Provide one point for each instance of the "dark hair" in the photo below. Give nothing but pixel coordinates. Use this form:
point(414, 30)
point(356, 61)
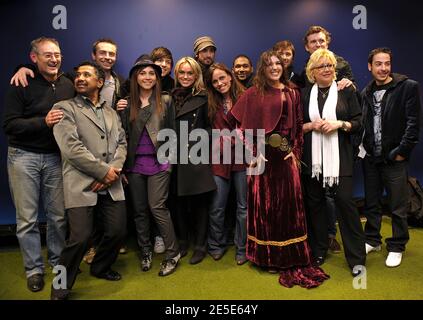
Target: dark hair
point(242, 56)
point(134, 93)
point(161, 52)
point(260, 80)
point(317, 29)
point(283, 45)
point(107, 40)
point(98, 70)
point(379, 50)
point(215, 98)
point(36, 42)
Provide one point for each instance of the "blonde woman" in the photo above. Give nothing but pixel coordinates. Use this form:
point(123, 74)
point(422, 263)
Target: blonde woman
point(193, 182)
point(330, 117)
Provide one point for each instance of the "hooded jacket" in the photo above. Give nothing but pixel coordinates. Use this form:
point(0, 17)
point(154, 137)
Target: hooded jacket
point(400, 117)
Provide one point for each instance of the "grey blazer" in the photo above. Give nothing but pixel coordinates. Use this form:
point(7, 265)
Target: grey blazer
point(84, 146)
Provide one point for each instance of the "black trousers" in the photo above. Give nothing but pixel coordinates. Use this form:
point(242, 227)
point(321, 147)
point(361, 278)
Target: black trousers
point(81, 221)
point(347, 214)
point(191, 220)
point(393, 178)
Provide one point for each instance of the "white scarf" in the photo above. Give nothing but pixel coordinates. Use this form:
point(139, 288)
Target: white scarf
point(324, 147)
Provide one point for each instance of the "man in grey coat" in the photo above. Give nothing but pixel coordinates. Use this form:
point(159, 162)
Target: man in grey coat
point(93, 147)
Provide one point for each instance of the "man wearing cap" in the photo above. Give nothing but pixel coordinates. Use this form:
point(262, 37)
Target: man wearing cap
point(205, 52)
point(93, 148)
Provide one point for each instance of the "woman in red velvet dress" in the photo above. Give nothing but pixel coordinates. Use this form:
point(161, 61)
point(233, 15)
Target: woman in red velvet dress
point(276, 226)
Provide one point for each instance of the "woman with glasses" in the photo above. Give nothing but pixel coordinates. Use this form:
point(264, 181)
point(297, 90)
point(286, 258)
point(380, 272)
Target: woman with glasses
point(276, 226)
point(330, 118)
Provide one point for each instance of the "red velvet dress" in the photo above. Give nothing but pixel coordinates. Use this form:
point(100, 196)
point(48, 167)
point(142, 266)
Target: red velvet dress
point(277, 232)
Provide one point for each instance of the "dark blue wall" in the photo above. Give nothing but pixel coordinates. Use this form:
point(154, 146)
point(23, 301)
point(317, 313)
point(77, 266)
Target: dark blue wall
point(237, 26)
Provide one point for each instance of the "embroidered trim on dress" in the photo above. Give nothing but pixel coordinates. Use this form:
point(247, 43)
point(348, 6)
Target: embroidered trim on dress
point(278, 243)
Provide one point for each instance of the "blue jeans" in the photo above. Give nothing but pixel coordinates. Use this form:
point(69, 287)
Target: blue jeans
point(31, 176)
point(217, 234)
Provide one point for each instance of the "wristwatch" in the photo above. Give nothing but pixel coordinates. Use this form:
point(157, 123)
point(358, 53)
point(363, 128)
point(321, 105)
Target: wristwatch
point(344, 126)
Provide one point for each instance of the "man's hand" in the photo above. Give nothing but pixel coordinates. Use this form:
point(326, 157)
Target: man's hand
point(121, 104)
point(344, 83)
point(399, 158)
point(98, 186)
point(20, 77)
point(53, 117)
point(112, 175)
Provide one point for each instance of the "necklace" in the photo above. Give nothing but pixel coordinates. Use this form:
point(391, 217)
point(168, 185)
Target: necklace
point(324, 93)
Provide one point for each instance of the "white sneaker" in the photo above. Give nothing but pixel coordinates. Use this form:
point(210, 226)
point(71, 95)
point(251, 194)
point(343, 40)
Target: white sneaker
point(159, 246)
point(394, 259)
point(370, 248)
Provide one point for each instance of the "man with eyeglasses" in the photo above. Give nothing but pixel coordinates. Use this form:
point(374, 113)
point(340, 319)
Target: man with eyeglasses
point(318, 37)
point(33, 160)
point(104, 53)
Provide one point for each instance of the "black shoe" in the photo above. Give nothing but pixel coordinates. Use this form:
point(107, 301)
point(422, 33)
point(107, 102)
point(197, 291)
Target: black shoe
point(59, 294)
point(357, 270)
point(197, 257)
point(183, 251)
point(109, 275)
point(318, 261)
point(35, 282)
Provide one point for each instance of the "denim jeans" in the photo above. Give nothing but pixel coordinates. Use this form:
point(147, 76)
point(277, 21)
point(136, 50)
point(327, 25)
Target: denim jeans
point(31, 176)
point(217, 234)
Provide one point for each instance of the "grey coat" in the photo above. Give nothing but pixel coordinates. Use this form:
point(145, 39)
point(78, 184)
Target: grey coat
point(84, 146)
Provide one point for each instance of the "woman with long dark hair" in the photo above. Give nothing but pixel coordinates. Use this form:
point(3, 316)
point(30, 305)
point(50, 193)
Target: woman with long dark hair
point(276, 226)
point(224, 91)
point(148, 180)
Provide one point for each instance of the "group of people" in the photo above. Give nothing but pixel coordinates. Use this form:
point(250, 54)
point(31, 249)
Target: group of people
point(89, 144)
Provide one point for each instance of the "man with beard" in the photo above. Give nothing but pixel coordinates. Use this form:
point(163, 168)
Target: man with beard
point(34, 165)
point(204, 53)
point(242, 68)
point(93, 147)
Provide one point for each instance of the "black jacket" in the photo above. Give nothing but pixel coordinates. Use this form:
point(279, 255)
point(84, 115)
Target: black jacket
point(400, 117)
point(347, 109)
point(119, 81)
point(25, 110)
point(192, 179)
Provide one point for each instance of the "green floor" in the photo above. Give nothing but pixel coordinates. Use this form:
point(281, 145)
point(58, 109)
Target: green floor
point(225, 280)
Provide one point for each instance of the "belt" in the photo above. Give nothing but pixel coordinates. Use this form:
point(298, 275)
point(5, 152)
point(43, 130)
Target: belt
point(276, 140)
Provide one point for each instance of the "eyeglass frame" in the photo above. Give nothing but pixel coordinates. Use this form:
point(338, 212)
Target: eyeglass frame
point(324, 66)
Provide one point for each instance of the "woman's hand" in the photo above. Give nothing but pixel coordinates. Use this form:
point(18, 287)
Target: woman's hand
point(331, 125)
point(315, 125)
point(294, 159)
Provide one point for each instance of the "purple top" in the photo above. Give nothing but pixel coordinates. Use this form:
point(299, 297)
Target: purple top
point(146, 158)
